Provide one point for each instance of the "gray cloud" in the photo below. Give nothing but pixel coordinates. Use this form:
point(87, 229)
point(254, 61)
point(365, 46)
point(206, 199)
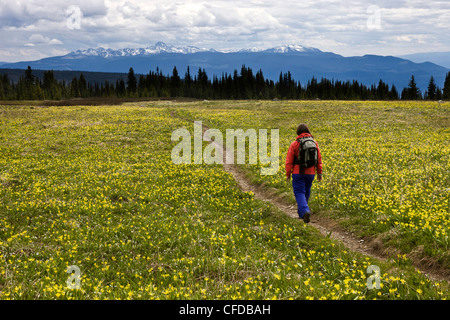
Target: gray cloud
point(330, 25)
point(23, 13)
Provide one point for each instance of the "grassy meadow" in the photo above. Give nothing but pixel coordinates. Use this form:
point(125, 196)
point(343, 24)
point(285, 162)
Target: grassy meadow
point(95, 187)
point(386, 164)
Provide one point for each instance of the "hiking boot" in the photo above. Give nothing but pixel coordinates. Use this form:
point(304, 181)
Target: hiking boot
point(306, 217)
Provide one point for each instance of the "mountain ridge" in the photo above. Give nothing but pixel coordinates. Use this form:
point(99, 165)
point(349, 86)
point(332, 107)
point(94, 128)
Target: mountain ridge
point(439, 58)
point(302, 62)
point(161, 47)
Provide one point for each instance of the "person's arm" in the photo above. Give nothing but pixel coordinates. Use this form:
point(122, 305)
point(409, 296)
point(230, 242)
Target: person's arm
point(319, 163)
point(289, 161)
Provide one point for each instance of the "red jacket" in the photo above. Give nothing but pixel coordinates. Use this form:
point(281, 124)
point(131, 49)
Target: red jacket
point(293, 151)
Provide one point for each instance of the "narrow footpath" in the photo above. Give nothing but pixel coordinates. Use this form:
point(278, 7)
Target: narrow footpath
point(327, 227)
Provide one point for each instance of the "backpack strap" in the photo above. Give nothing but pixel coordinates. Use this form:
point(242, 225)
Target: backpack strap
point(298, 150)
point(301, 170)
point(300, 142)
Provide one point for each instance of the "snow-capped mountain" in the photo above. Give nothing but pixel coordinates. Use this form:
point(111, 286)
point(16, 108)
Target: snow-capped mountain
point(161, 47)
point(303, 63)
point(292, 48)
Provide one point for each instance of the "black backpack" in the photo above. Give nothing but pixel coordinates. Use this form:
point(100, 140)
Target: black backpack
point(308, 155)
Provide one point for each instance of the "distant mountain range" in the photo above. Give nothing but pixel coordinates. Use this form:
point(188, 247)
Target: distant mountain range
point(303, 63)
point(161, 47)
point(440, 58)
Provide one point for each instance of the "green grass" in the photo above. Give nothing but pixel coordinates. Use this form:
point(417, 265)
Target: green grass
point(386, 164)
point(95, 187)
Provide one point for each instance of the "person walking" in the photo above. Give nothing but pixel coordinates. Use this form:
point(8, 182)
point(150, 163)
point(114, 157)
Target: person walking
point(302, 177)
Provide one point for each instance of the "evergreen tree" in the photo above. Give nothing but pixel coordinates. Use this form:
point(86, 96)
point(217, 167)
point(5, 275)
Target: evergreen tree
point(2, 90)
point(50, 86)
point(175, 83)
point(131, 81)
point(83, 87)
point(7, 87)
point(243, 85)
point(431, 92)
point(120, 88)
point(393, 93)
point(187, 83)
point(382, 91)
point(202, 84)
point(260, 84)
point(106, 92)
point(38, 93)
point(74, 89)
point(228, 87)
point(438, 94)
point(412, 92)
point(141, 88)
point(446, 89)
point(405, 94)
point(28, 85)
point(29, 78)
point(312, 89)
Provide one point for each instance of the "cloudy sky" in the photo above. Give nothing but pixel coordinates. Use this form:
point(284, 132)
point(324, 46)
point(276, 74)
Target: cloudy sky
point(34, 29)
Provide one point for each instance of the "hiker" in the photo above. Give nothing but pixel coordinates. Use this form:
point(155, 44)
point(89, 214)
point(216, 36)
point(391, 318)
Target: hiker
point(300, 167)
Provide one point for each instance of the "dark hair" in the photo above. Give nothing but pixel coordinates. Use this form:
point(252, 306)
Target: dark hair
point(302, 128)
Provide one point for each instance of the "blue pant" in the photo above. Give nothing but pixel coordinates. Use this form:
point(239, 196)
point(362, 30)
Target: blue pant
point(301, 183)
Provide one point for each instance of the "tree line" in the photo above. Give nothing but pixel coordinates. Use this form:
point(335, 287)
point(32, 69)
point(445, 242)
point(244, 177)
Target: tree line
point(243, 85)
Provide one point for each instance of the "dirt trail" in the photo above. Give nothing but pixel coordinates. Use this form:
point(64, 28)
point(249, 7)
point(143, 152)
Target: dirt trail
point(327, 227)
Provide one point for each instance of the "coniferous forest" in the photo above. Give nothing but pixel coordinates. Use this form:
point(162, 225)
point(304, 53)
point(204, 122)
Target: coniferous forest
point(240, 85)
